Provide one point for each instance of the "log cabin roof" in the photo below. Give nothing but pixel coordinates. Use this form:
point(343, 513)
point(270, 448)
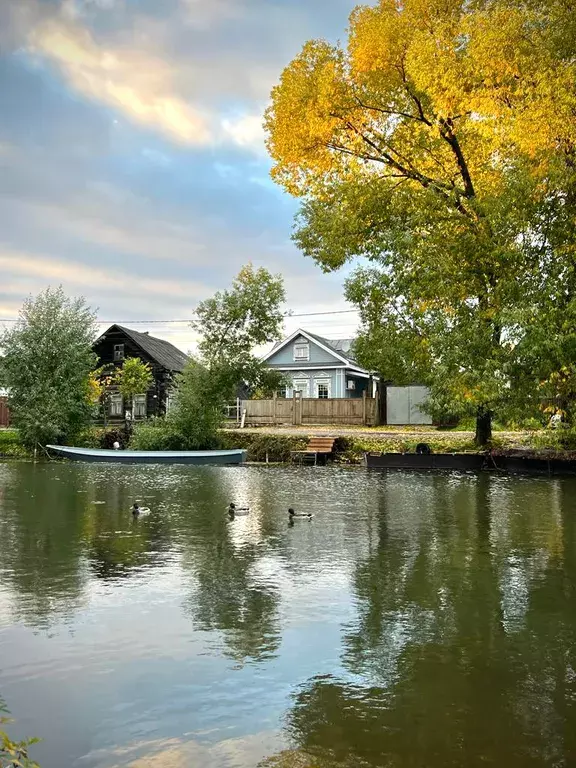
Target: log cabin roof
point(165, 354)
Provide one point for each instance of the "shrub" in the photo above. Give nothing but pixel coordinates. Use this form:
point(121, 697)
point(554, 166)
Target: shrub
point(11, 445)
point(153, 435)
point(13, 753)
point(99, 437)
point(273, 448)
point(559, 439)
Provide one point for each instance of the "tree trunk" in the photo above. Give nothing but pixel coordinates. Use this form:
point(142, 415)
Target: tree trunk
point(483, 427)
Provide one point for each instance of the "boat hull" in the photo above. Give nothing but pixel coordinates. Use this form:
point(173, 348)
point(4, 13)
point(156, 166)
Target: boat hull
point(472, 462)
point(94, 455)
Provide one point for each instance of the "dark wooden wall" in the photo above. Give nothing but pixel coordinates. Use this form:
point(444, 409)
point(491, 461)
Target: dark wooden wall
point(156, 396)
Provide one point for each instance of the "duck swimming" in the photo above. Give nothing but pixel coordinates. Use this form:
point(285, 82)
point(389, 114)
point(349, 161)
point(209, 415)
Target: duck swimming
point(293, 514)
point(137, 510)
point(234, 510)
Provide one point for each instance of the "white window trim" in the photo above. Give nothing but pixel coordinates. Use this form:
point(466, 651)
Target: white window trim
point(116, 399)
point(304, 345)
point(142, 399)
point(322, 382)
point(297, 386)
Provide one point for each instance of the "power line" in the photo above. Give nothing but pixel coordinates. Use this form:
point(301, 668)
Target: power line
point(166, 322)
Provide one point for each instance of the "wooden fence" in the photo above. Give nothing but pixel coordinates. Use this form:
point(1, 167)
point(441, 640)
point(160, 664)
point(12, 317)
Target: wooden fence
point(4, 413)
point(296, 410)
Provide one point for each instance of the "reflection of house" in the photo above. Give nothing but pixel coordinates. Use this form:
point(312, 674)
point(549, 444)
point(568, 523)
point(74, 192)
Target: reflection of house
point(320, 368)
point(165, 360)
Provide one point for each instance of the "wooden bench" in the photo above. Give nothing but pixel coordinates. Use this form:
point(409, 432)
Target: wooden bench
point(317, 446)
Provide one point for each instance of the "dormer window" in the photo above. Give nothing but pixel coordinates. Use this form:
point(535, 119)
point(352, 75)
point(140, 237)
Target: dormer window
point(118, 352)
point(301, 351)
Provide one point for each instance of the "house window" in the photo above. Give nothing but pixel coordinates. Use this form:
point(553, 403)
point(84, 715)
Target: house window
point(118, 352)
point(283, 392)
point(323, 390)
point(302, 386)
point(116, 405)
point(301, 352)
point(140, 406)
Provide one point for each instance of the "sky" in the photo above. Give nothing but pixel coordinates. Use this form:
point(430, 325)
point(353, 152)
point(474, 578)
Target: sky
point(133, 169)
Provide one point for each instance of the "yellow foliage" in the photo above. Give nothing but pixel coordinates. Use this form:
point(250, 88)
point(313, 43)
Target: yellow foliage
point(440, 93)
point(95, 389)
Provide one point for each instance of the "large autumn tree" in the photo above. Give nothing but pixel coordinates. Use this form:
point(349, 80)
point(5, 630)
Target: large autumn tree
point(426, 146)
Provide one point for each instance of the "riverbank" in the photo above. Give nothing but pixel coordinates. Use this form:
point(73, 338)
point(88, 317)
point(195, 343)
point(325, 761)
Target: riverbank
point(275, 444)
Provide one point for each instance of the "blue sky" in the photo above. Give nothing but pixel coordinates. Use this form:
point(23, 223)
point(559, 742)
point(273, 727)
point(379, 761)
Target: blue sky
point(132, 162)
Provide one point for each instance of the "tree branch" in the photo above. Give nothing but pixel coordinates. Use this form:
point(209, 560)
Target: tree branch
point(447, 133)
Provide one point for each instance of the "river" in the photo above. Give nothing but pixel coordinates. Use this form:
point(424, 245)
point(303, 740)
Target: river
point(416, 621)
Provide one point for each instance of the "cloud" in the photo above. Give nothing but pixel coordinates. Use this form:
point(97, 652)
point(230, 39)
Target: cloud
point(204, 15)
point(43, 269)
point(246, 131)
point(132, 163)
point(132, 81)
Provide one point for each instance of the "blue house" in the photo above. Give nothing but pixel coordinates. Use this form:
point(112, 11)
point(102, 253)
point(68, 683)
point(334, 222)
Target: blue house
point(320, 368)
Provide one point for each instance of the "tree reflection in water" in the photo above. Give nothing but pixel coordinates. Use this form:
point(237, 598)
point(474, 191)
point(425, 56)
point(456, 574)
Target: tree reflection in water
point(439, 673)
point(229, 593)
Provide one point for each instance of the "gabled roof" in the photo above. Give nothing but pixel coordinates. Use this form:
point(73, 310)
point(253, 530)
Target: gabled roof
point(164, 353)
point(340, 348)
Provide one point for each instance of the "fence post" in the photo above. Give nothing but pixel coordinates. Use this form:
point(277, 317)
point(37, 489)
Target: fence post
point(237, 410)
point(364, 410)
point(274, 417)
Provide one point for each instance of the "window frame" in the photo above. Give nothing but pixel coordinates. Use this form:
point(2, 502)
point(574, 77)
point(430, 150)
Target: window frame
point(139, 400)
point(116, 404)
point(323, 383)
point(304, 346)
point(119, 353)
point(296, 387)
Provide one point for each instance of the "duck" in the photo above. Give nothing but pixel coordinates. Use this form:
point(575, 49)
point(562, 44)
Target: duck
point(292, 514)
point(234, 510)
point(137, 510)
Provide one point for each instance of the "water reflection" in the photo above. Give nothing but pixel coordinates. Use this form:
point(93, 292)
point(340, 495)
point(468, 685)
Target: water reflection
point(418, 620)
point(460, 662)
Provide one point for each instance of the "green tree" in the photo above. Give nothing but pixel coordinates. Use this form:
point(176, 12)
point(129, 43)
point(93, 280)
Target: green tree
point(197, 412)
point(230, 324)
point(233, 322)
point(46, 367)
point(406, 149)
point(133, 378)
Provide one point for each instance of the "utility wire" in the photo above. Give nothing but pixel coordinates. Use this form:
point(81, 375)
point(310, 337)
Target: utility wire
point(166, 322)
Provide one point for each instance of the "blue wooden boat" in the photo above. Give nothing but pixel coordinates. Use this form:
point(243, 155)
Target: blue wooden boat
point(236, 456)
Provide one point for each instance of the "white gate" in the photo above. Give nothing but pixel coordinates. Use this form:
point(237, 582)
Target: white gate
point(403, 405)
